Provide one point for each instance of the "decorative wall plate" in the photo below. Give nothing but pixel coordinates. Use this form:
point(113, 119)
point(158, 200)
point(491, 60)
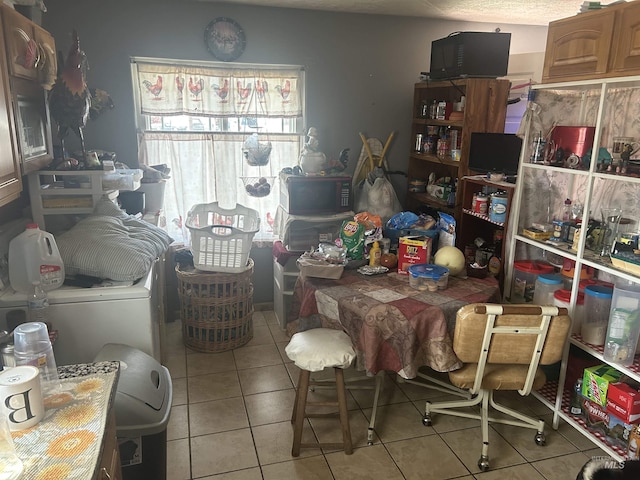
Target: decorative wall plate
point(225, 39)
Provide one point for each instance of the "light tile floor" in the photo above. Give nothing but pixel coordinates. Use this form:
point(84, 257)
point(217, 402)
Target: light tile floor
point(230, 420)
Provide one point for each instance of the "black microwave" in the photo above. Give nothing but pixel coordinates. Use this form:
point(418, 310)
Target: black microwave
point(315, 195)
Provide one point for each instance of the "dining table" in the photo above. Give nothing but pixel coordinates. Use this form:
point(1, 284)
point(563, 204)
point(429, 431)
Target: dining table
point(392, 325)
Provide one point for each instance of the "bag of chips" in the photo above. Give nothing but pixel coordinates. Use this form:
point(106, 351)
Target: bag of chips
point(352, 236)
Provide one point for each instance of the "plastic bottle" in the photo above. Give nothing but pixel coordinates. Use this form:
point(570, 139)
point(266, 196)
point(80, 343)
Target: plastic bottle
point(624, 323)
point(566, 211)
point(38, 304)
point(374, 255)
point(34, 256)
point(576, 401)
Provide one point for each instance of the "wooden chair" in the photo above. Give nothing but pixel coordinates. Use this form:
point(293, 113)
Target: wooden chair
point(502, 347)
point(313, 351)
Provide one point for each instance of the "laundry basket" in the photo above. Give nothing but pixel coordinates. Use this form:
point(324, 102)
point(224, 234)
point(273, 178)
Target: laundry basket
point(216, 309)
point(221, 238)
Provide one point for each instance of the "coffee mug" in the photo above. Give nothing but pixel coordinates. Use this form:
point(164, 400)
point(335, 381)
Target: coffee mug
point(619, 145)
point(21, 397)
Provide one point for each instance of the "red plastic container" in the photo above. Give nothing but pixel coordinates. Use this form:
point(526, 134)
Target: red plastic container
point(525, 274)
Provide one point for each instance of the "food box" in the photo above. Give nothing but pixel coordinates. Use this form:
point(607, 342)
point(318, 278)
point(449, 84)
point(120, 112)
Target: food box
point(536, 234)
point(413, 251)
point(596, 381)
point(598, 420)
point(624, 401)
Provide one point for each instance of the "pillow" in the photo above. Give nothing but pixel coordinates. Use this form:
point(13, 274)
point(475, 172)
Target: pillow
point(318, 348)
point(111, 244)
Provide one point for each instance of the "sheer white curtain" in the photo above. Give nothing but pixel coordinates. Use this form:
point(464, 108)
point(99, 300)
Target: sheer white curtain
point(234, 102)
point(210, 167)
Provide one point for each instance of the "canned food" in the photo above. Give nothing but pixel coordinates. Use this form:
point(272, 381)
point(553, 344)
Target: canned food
point(482, 204)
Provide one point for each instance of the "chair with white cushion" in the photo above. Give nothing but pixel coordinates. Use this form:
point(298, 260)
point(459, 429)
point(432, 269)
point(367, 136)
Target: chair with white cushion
point(313, 351)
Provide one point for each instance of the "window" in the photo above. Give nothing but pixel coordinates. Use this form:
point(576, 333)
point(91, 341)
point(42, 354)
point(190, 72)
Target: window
point(223, 130)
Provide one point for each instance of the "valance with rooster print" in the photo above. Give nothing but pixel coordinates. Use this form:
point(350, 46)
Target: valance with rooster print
point(176, 89)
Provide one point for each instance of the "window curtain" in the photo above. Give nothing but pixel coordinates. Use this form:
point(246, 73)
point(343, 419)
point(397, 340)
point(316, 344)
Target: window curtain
point(209, 168)
point(166, 89)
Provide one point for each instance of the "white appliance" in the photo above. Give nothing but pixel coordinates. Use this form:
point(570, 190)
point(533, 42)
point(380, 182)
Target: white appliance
point(88, 318)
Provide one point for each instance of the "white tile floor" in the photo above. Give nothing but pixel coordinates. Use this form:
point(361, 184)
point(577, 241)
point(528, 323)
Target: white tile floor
point(231, 411)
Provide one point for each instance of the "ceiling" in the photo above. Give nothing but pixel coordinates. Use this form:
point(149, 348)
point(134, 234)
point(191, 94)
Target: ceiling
point(524, 12)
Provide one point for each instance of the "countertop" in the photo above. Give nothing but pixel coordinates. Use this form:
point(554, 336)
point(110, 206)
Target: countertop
point(68, 442)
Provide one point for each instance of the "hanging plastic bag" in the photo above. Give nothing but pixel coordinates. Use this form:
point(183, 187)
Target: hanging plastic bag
point(378, 198)
point(256, 153)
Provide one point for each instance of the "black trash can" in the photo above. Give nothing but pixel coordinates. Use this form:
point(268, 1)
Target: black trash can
point(142, 407)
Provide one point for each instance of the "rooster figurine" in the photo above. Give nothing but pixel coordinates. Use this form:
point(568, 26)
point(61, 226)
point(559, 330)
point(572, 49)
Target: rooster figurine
point(70, 99)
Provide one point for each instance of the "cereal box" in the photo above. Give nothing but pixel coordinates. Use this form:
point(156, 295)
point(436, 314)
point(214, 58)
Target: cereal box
point(596, 380)
point(598, 420)
point(412, 251)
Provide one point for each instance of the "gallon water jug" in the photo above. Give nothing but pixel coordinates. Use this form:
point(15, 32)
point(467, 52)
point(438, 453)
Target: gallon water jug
point(34, 257)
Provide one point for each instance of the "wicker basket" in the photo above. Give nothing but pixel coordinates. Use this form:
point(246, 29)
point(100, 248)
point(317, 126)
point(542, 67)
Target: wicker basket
point(216, 308)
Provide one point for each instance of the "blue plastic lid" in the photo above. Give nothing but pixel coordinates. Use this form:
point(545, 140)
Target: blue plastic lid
point(428, 270)
point(599, 291)
point(550, 279)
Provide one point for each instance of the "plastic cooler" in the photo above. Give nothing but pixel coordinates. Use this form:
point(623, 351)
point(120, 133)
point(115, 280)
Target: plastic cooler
point(525, 274)
point(221, 238)
point(142, 407)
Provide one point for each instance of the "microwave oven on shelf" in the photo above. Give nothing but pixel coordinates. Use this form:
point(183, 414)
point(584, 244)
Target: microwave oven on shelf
point(315, 195)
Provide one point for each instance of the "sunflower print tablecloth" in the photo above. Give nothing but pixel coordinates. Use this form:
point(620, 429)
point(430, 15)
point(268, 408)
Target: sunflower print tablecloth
point(67, 443)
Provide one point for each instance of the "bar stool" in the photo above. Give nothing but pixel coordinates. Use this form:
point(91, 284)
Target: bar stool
point(313, 351)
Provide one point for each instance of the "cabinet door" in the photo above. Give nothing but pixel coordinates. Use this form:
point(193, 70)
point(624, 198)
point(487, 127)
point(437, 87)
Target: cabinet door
point(626, 54)
point(10, 179)
point(48, 64)
point(578, 47)
point(22, 50)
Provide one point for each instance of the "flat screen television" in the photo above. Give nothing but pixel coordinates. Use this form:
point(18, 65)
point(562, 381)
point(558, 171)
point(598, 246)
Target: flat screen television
point(494, 152)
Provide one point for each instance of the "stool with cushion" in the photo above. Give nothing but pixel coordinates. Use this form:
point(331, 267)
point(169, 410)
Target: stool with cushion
point(313, 351)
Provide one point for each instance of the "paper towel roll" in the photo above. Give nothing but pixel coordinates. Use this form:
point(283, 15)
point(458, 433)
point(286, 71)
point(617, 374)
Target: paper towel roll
point(21, 396)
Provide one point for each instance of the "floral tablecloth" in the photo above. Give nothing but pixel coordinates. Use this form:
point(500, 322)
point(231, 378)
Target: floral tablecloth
point(393, 326)
point(67, 443)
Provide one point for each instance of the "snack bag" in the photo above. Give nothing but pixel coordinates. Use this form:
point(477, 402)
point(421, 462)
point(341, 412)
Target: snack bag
point(352, 236)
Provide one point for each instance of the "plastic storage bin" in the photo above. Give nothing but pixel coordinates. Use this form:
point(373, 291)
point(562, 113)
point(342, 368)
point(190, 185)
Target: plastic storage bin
point(597, 301)
point(220, 238)
point(624, 323)
point(525, 274)
point(561, 298)
point(546, 285)
point(425, 276)
point(142, 407)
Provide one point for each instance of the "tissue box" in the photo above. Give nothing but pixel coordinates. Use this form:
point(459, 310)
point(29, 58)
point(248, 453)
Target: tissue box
point(596, 380)
point(413, 251)
point(624, 401)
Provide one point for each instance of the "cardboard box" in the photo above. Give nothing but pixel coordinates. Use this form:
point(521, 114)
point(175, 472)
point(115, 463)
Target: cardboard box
point(598, 420)
point(412, 251)
point(596, 380)
point(624, 401)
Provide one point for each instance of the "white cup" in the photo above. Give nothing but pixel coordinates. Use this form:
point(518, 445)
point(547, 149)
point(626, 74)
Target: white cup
point(21, 397)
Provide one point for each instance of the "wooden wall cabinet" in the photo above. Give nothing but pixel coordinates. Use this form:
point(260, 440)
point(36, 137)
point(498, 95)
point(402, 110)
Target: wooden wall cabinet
point(598, 44)
point(484, 111)
point(31, 65)
point(10, 178)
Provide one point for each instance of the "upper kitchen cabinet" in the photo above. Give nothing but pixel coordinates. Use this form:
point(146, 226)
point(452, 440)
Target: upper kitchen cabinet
point(10, 178)
point(31, 50)
point(31, 66)
point(597, 44)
